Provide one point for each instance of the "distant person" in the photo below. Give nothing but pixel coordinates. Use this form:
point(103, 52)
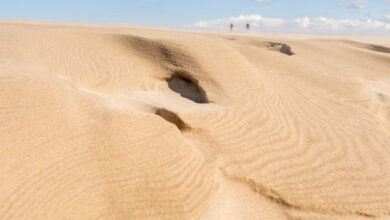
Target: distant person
point(248, 27)
point(231, 27)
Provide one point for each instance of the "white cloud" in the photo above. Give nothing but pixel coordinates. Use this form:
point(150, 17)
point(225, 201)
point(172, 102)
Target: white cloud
point(303, 22)
point(387, 17)
point(262, 1)
point(321, 25)
point(356, 4)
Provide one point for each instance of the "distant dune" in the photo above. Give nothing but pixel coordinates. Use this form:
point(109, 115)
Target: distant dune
point(120, 122)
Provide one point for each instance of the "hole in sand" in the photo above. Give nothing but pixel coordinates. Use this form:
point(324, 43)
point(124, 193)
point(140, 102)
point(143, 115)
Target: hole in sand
point(379, 48)
point(172, 117)
point(187, 87)
point(283, 48)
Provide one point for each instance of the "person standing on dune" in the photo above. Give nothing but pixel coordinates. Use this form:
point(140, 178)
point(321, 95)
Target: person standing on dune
point(248, 26)
point(231, 27)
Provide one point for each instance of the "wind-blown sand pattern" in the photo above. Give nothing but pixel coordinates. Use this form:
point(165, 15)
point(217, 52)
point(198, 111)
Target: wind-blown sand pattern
point(119, 122)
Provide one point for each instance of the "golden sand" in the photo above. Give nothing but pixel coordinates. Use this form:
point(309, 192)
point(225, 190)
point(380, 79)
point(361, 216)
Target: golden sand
point(120, 122)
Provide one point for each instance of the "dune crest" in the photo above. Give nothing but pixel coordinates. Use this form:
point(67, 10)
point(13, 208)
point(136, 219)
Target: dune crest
point(118, 122)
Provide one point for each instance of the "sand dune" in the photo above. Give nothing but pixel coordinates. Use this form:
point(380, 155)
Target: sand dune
point(120, 122)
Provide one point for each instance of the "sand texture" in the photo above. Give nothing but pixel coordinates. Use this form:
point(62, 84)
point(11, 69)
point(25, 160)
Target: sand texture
point(122, 122)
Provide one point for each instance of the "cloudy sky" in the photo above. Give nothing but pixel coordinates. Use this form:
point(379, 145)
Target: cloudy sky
point(281, 16)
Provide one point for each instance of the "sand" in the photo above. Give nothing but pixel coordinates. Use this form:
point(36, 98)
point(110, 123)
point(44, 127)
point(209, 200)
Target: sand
point(122, 122)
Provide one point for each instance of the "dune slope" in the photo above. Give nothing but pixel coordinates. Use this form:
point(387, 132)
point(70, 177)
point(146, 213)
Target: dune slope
point(119, 122)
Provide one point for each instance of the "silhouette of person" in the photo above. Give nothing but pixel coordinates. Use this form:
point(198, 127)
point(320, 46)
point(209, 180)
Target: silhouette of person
point(248, 26)
point(231, 27)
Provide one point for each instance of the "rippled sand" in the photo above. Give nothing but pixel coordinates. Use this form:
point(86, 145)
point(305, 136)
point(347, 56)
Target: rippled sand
point(120, 122)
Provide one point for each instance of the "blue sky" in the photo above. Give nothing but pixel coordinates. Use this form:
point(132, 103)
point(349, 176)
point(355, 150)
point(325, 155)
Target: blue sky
point(308, 16)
